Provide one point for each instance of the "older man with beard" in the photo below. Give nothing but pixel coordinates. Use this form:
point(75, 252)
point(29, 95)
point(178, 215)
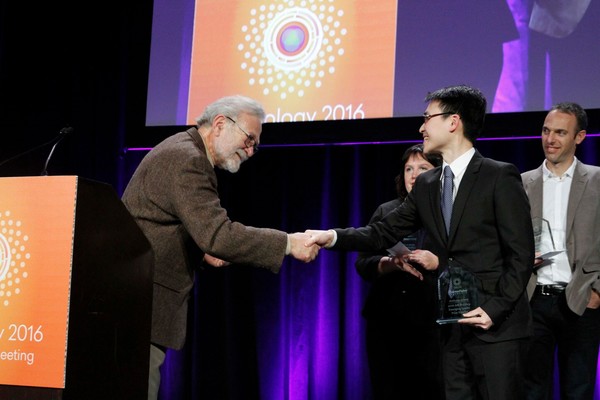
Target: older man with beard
point(174, 199)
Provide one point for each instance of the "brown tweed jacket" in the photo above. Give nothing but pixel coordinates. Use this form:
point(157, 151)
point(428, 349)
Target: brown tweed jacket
point(173, 197)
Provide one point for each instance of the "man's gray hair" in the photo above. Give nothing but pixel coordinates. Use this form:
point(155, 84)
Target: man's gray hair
point(231, 106)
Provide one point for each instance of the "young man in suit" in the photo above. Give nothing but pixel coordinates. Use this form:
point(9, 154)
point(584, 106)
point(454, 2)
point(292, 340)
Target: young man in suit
point(564, 291)
point(489, 234)
point(174, 199)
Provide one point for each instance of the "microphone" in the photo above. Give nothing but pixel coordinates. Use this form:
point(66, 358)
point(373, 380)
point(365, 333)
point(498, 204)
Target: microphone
point(63, 132)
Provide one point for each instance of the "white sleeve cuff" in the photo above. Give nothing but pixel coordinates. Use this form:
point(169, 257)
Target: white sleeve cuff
point(330, 245)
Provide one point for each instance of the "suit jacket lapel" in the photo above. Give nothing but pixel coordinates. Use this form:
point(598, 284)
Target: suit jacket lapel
point(577, 188)
point(435, 193)
point(464, 190)
point(535, 192)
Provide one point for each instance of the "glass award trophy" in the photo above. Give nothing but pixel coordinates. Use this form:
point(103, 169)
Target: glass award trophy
point(545, 248)
point(457, 293)
point(541, 227)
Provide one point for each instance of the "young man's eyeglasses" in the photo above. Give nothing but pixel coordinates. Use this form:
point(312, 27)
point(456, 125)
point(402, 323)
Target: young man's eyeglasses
point(250, 141)
point(427, 117)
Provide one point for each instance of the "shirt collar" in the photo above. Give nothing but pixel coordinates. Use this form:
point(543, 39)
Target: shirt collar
point(459, 165)
point(568, 173)
point(208, 155)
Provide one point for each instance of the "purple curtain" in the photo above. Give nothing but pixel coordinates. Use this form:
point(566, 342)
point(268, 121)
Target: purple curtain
point(299, 334)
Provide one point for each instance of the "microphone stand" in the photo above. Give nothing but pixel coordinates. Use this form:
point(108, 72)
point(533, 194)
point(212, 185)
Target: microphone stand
point(63, 132)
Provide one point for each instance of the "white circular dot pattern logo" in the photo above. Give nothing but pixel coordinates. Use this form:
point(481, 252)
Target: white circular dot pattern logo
point(13, 257)
point(291, 46)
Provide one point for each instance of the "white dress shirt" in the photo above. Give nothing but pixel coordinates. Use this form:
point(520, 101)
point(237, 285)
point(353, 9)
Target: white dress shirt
point(554, 210)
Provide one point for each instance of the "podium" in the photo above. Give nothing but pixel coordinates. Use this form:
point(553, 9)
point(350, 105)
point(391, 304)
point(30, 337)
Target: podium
point(75, 292)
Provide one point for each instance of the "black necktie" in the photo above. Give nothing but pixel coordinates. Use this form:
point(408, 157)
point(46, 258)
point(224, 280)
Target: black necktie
point(447, 196)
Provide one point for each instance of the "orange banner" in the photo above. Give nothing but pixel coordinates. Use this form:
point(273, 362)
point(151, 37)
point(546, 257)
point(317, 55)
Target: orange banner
point(304, 61)
point(37, 216)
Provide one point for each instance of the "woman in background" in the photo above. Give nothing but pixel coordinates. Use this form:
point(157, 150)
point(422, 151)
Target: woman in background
point(400, 310)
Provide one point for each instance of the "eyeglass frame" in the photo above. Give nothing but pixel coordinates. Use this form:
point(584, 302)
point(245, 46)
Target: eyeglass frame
point(250, 140)
point(427, 117)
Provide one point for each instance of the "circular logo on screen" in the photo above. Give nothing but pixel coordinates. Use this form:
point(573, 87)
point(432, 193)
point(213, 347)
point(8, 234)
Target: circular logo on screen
point(293, 39)
point(13, 257)
point(290, 47)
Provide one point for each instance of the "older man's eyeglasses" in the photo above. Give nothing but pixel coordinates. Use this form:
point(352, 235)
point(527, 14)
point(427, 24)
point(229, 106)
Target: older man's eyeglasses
point(427, 117)
point(250, 141)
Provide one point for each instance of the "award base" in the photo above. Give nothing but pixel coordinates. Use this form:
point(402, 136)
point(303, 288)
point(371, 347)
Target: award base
point(444, 321)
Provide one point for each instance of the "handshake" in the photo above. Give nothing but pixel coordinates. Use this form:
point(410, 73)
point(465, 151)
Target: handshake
point(302, 246)
point(305, 246)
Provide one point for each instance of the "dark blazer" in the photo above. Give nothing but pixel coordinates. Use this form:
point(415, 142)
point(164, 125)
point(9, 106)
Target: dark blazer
point(583, 230)
point(397, 294)
point(173, 197)
point(491, 235)
point(366, 263)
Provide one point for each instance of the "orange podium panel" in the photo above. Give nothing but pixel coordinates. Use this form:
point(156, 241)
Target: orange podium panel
point(36, 251)
point(75, 292)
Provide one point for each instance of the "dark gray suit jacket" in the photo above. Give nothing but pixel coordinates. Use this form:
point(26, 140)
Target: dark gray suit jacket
point(583, 230)
point(490, 234)
point(173, 197)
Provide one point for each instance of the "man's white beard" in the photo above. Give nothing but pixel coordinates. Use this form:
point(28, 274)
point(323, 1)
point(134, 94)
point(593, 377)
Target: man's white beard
point(231, 165)
point(233, 162)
